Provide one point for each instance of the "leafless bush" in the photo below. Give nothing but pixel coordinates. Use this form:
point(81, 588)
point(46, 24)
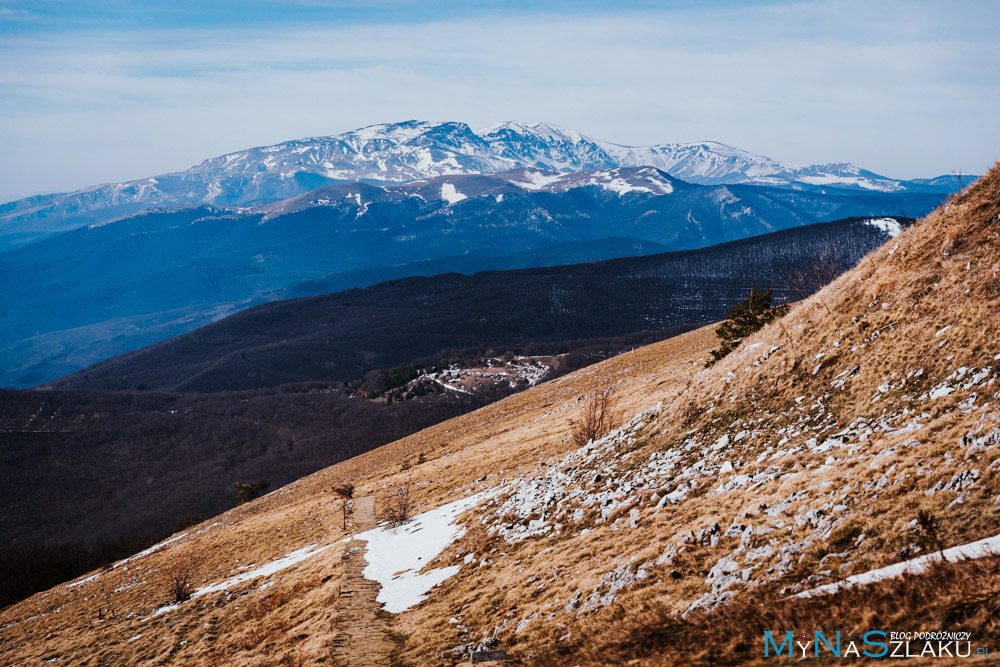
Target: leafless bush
point(931, 534)
point(398, 511)
point(180, 576)
point(599, 417)
point(810, 279)
point(346, 492)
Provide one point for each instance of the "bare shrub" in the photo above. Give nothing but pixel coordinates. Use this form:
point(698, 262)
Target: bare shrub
point(180, 577)
point(931, 533)
point(811, 278)
point(398, 511)
point(346, 492)
point(599, 417)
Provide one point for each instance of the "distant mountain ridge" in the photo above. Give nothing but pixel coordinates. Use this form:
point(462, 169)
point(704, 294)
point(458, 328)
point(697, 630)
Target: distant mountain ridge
point(340, 336)
point(118, 285)
point(413, 150)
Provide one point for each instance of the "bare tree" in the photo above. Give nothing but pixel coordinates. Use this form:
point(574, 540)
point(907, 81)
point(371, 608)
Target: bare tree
point(809, 279)
point(599, 417)
point(346, 492)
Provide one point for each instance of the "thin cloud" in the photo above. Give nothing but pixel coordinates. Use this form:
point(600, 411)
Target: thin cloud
point(832, 81)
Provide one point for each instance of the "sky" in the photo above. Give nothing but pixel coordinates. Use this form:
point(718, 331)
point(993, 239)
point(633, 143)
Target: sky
point(94, 92)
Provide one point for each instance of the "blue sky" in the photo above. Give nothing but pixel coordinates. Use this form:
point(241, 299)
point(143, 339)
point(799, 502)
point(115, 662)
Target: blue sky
point(104, 91)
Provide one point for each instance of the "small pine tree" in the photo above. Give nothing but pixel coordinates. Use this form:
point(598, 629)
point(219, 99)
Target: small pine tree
point(244, 492)
point(746, 317)
point(421, 459)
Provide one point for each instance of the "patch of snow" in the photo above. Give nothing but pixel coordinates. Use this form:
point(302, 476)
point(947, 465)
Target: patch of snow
point(291, 559)
point(396, 556)
point(146, 552)
point(83, 581)
point(887, 225)
point(283, 563)
point(450, 194)
point(973, 550)
point(536, 180)
point(162, 610)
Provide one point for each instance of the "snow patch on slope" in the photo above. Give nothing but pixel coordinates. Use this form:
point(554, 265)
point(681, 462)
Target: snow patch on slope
point(651, 182)
point(283, 563)
point(130, 559)
point(985, 547)
point(537, 179)
point(294, 558)
point(396, 556)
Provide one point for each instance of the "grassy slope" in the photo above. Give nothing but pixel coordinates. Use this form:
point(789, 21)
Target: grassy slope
point(503, 435)
point(884, 318)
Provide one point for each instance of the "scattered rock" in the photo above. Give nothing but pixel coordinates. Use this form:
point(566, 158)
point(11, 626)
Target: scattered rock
point(959, 482)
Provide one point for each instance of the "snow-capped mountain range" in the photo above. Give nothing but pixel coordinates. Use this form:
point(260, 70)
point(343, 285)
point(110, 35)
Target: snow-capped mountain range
point(414, 150)
point(411, 150)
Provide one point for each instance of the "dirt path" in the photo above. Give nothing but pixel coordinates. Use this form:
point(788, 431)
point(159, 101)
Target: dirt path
point(362, 638)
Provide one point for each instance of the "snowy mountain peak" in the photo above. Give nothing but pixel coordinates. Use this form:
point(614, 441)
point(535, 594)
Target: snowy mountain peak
point(545, 131)
point(398, 133)
point(719, 148)
point(415, 149)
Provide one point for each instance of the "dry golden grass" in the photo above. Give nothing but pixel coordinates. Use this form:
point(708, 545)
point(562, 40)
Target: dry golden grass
point(948, 596)
point(247, 626)
point(511, 435)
